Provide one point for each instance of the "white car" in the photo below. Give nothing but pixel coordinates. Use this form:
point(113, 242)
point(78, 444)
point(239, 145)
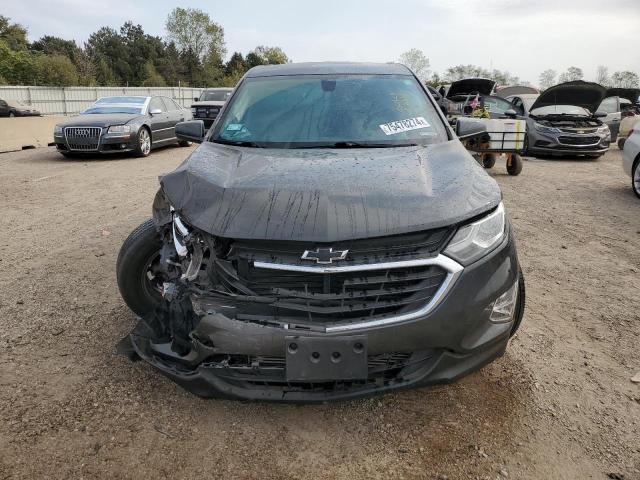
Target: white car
point(631, 159)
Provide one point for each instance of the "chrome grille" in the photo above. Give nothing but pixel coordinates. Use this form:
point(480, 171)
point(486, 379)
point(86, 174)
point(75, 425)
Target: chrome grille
point(84, 139)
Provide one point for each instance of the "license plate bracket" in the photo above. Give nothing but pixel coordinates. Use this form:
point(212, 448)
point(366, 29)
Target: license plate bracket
point(314, 359)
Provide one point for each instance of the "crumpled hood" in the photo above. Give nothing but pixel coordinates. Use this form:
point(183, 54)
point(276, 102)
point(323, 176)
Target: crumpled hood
point(99, 119)
point(483, 86)
point(587, 95)
point(328, 195)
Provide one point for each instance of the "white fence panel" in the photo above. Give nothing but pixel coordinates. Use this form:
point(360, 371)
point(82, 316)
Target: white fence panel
point(73, 100)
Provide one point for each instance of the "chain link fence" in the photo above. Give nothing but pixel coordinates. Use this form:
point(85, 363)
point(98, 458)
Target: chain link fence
point(73, 100)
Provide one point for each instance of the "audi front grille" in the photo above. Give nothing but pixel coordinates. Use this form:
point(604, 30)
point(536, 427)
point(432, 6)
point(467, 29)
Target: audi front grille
point(83, 139)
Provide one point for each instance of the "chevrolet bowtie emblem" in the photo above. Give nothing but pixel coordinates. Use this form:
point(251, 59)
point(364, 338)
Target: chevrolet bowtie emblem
point(324, 255)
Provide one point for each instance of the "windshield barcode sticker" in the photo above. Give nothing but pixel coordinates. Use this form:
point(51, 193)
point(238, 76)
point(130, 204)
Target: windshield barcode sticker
point(400, 126)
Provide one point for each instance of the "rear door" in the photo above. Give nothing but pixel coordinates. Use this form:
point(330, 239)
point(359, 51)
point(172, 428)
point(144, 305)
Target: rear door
point(176, 114)
point(161, 127)
point(611, 106)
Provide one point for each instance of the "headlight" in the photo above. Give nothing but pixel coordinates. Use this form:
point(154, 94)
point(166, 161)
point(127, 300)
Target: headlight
point(193, 110)
point(604, 129)
point(57, 130)
point(477, 239)
point(119, 129)
point(543, 128)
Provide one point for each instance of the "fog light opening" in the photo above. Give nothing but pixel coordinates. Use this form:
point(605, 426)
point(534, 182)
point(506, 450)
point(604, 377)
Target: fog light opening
point(505, 305)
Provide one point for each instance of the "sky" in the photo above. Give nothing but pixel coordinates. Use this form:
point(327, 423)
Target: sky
point(523, 37)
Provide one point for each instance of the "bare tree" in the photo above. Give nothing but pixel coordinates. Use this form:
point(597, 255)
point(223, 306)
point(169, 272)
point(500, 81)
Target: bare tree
point(547, 79)
point(417, 61)
point(625, 79)
point(602, 76)
point(572, 74)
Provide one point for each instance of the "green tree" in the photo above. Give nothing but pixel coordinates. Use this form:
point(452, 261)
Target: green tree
point(193, 30)
point(152, 77)
point(269, 55)
point(56, 70)
point(417, 61)
point(13, 34)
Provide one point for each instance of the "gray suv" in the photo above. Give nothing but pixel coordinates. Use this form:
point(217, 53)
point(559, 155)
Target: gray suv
point(330, 238)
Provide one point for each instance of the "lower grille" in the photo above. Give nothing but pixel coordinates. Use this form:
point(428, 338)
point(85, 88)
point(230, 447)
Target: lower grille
point(83, 139)
point(578, 140)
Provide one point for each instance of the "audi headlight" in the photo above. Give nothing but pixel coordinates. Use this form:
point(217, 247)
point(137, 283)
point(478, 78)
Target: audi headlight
point(544, 129)
point(119, 129)
point(473, 241)
point(57, 130)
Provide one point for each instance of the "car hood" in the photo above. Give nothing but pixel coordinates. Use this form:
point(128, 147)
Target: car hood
point(328, 195)
point(631, 94)
point(483, 86)
point(100, 119)
point(587, 95)
point(210, 103)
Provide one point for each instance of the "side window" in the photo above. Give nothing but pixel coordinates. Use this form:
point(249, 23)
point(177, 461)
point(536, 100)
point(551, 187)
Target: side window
point(609, 105)
point(496, 105)
point(156, 103)
point(175, 104)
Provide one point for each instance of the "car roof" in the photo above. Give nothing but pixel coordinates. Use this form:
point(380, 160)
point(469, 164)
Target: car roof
point(216, 89)
point(329, 68)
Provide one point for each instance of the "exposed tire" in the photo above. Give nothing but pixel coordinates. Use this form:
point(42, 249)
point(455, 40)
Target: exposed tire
point(519, 305)
point(143, 142)
point(635, 177)
point(489, 160)
point(514, 165)
point(621, 143)
point(184, 143)
point(133, 268)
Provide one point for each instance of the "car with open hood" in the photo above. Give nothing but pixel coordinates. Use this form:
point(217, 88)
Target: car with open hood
point(330, 238)
point(463, 96)
point(207, 106)
point(135, 124)
point(631, 158)
point(564, 120)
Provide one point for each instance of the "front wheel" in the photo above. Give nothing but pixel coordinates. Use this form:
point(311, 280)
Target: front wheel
point(143, 145)
point(514, 164)
point(635, 178)
point(138, 269)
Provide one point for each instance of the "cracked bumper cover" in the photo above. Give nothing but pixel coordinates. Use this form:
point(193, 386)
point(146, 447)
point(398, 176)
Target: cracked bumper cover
point(457, 334)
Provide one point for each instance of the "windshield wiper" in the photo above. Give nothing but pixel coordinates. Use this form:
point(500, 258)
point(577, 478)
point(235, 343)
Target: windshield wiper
point(238, 143)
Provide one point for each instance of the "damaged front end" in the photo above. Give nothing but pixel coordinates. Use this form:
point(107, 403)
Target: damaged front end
point(234, 314)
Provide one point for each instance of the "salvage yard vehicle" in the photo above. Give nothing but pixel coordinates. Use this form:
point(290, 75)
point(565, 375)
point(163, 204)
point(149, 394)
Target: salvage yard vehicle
point(563, 121)
point(330, 238)
point(121, 124)
point(15, 108)
point(209, 104)
point(631, 159)
point(462, 94)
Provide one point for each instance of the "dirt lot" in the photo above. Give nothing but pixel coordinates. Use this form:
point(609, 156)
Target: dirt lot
point(559, 405)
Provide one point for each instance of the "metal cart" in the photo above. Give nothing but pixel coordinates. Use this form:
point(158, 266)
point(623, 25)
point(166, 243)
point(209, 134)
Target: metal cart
point(504, 136)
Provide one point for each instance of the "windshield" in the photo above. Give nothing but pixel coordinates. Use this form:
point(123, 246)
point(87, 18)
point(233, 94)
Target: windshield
point(215, 96)
point(133, 105)
point(560, 110)
point(339, 111)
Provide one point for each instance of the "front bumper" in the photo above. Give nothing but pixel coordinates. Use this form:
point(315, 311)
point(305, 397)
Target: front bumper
point(553, 144)
point(107, 144)
point(452, 340)
point(208, 121)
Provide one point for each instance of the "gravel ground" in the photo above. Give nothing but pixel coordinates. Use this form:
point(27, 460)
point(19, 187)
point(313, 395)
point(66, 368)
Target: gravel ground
point(558, 405)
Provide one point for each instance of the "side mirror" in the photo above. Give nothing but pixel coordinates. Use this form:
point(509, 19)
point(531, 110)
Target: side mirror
point(195, 99)
point(155, 111)
point(600, 114)
point(467, 128)
point(191, 131)
point(511, 113)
